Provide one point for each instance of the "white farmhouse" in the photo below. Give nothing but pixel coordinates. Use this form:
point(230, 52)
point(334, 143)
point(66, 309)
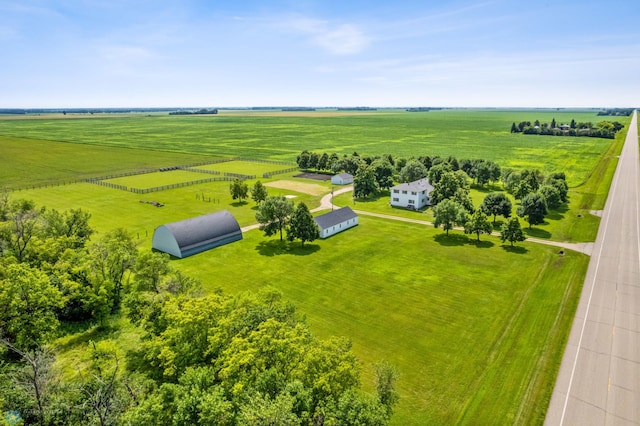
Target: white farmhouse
point(412, 195)
point(342, 179)
point(336, 221)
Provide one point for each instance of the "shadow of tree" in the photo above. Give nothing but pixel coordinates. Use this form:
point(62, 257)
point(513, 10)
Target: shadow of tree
point(558, 213)
point(481, 243)
point(514, 249)
point(537, 233)
point(239, 203)
point(277, 248)
point(451, 240)
point(83, 332)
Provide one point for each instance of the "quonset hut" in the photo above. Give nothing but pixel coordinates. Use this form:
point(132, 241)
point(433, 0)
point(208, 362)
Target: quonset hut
point(198, 234)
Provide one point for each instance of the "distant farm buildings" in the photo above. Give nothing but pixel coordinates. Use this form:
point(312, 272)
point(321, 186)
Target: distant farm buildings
point(342, 179)
point(412, 195)
point(336, 221)
point(195, 235)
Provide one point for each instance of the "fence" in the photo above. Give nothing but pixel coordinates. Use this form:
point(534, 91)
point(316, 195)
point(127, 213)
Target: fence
point(279, 172)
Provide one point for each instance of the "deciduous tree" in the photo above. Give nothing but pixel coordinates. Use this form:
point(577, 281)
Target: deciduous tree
point(496, 203)
point(533, 208)
point(364, 182)
point(239, 190)
point(273, 214)
point(302, 226)
point(412, 171)
point(511, 231)
point(449, 213)
point(478, 224)
point(259, 192)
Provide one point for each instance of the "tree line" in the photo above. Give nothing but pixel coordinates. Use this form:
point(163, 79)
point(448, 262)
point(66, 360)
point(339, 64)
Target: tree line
point(201, 358)
point(603, 129)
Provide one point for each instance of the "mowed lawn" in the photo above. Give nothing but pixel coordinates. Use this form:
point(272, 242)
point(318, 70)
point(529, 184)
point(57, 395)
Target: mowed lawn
point(477, 331)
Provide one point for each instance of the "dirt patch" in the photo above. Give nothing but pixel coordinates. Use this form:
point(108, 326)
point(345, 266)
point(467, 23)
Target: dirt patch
point(314, 176)
point(596, 212)
point(305, 188)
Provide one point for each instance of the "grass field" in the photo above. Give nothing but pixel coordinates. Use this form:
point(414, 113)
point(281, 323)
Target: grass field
point(245, 167)
point(476, 330)
point(462, 133)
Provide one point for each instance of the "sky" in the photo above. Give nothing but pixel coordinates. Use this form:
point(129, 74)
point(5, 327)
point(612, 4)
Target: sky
point(401, 53)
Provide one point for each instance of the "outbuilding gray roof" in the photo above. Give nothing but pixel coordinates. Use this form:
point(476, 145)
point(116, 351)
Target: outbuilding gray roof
point(335, 217)
point(345, 175)
point(416, 186)
point(197, 234)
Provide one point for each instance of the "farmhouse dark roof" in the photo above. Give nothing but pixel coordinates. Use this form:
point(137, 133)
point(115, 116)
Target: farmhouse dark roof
point(335, 217)
point(416, 186)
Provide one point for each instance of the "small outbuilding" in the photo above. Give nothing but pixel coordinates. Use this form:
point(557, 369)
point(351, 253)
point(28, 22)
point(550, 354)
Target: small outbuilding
point(198, 234)
point(336, 221)
point(342, 179)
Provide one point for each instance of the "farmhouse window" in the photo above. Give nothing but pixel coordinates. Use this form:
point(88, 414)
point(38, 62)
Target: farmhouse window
point(395, 191)
point(411, 201)
point(413, 193)
point(404, 192)
point(396, 199)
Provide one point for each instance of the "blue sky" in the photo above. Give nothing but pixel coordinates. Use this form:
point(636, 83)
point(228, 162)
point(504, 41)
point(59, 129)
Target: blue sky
point(137, 53)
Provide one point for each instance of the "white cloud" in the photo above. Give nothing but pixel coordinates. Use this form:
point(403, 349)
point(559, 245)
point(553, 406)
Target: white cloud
point(336, 39)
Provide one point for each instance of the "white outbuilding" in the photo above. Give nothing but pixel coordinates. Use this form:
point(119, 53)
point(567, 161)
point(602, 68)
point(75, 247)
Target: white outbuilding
point(342, 179)
point(412, 195)
point(336, 221)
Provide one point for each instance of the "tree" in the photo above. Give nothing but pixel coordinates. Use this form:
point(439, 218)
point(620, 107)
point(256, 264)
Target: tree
point(551, 196)
point(413, 171)
point(37, 377)
point(313, 160)
point(113, 259)
point(239, 190)
point(150, 269)
point(534, 208)
point(514, 128)
point(323, 162)
point(511, 231)
point(496, 203)
point(478, 224)
point(303, 159)
point(259, 192)
point(387, 375)
point(302, 226)
point(448, 185)
point(364, 182)
point(383, 171)
point(521, 190)
point(436, 171)
point(273, 214)
point(449, 213)
point(483, 173)
point(29, 304)
point(553, 123)
point(23, 224)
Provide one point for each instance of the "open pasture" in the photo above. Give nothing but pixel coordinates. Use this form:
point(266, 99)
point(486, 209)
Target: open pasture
point(153, 179)
point(473, 329)
point(462, 133)
point(249, 168)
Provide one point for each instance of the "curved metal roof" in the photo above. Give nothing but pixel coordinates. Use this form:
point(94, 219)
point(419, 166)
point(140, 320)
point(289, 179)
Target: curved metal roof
point(203, 231)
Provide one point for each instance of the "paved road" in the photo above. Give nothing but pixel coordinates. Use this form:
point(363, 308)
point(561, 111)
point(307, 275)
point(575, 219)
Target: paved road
point(599, 378)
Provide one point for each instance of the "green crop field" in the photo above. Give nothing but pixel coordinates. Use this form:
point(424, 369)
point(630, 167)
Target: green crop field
point(462, 133)
point(476, 330)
